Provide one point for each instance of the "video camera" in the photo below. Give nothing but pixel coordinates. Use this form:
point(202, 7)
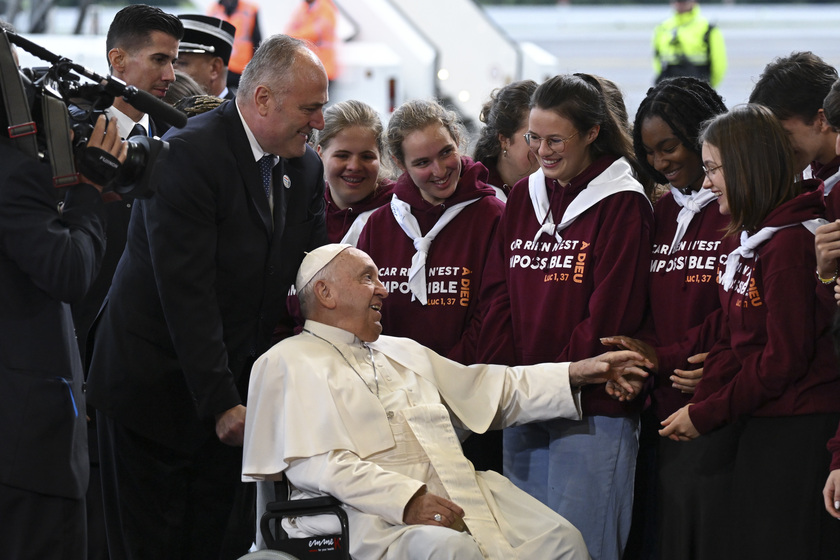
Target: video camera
point(59, 101)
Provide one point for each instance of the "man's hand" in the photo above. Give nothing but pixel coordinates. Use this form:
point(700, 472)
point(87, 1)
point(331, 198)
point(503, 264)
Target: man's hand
point(686, 380)
point(827, 245)
point(679, 426)
point(422, 508)
point(636, 345)
point(230, 426)
point(610, 366)
point(831, 493)
point(103, 146)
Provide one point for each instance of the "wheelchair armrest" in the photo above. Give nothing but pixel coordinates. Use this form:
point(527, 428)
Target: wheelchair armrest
point(303, 506)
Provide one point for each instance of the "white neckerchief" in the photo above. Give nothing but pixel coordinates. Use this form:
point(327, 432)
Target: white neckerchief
point(408, 223)
point(690, 204)
point(352, 235)
point(601, 187)
point(828, 183)
point(749, 243)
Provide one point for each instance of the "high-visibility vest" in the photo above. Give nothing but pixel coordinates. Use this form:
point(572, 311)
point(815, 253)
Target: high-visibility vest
point(244, 18)
point(688, 45)
point(316, 23)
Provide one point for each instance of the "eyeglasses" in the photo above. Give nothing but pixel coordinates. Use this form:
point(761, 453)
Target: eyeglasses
point(554, 144)
point(709, 171)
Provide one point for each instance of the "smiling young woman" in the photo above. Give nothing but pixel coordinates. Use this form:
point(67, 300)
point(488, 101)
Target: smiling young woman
point(682, 292)
point(352, 147)
point(431, 242)
point(773, 371)
point(569, 265)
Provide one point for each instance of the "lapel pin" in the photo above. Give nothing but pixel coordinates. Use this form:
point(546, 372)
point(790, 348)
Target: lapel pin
point(287, 182)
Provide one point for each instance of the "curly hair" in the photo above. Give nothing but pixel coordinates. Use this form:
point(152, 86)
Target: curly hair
point(684, 104)
point(502, 114)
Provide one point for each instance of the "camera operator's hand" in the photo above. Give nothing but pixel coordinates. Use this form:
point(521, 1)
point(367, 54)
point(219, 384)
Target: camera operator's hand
point(102, 156)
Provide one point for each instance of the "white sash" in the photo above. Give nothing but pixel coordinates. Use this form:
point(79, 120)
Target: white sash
point(749, 243)
point(456, 473)
point(352, 235)
point(691, 205)
point(603, 186)
point(408, 223)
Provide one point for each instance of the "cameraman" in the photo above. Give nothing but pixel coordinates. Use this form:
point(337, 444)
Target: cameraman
point(50, 253)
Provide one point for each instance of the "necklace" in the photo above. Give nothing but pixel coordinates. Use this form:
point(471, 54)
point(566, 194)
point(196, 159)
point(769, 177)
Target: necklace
point(372, 363)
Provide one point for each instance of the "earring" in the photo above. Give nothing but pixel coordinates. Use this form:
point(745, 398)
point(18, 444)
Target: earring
point(504, 153)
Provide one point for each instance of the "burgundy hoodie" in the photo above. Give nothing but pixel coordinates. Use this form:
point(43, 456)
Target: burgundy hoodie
point(454, 265)
point(339, 221)
point(553, 302)
point(775, 356)
point(683, 292)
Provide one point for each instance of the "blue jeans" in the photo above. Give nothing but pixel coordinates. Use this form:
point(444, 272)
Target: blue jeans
point(584, 470)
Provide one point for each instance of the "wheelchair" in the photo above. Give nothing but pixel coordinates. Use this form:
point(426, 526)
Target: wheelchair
point(279, 546)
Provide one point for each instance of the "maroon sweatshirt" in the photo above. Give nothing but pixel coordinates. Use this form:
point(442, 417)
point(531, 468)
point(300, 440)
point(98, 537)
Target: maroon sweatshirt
point(454, 265)
point(775, 356)
point(553, 302)
point(832, 199)
point(339, 221)
point(683, 292)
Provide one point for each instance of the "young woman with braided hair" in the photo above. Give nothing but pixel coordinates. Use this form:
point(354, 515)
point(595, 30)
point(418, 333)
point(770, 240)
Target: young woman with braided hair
point(501, 145)
point(682, 293)
point(568, 265)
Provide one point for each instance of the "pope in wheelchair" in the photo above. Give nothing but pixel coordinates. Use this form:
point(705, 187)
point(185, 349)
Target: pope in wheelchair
point(374, 421)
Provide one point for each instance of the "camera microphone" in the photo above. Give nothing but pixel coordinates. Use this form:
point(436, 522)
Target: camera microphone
point(157, 109)
point(141, 100)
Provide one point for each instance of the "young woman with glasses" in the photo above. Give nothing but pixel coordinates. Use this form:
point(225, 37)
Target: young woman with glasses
point(570, 265)
point(773, 369)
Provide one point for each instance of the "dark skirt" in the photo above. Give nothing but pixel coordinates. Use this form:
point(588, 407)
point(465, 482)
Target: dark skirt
point(777, 503)
point(694, 492)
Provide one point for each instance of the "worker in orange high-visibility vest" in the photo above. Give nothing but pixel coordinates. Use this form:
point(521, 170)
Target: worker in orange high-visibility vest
point(315, 21)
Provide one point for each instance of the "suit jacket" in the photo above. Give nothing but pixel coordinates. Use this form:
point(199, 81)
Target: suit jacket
point(117, 215)
point(48, 258)
point(202, 282)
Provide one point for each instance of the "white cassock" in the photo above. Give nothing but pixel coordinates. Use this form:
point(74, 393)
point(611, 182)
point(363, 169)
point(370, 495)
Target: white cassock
point(314, 415)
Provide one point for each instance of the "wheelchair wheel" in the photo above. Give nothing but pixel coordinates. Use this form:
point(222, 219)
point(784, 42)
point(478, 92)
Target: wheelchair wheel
point(268, 555)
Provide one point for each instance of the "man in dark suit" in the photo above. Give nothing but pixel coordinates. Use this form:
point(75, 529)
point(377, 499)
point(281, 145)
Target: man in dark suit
point(204, 52)
point(201, 285)
point(142, 44)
